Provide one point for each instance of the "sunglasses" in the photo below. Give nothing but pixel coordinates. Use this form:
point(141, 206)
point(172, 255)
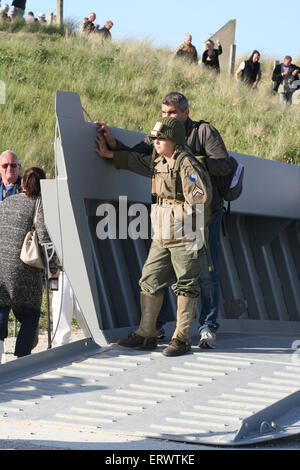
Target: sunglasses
point(6, 165)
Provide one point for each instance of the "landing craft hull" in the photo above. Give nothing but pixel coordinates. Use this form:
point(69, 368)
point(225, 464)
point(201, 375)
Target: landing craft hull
point(247, 390)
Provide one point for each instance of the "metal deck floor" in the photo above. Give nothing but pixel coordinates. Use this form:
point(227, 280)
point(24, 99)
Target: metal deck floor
point(245, 391)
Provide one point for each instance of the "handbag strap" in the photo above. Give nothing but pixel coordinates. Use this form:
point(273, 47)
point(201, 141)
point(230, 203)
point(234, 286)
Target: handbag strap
point(37, 206)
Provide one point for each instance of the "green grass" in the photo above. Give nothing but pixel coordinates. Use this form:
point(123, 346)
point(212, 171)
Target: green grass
point(122, 83)
point(43, 323)
point(12, 326)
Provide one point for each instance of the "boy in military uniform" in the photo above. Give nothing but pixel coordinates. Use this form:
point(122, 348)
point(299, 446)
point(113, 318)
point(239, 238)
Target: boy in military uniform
point(175, 182)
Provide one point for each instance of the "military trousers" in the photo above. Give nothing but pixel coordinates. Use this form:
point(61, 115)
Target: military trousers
point(173, 266)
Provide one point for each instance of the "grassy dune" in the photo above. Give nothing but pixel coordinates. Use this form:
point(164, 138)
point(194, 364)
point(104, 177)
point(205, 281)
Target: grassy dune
point(122, 83)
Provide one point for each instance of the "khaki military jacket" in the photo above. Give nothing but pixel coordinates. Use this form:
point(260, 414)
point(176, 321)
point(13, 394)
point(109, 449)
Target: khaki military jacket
point(188, 52)
point(175, 222)
point(204, 140)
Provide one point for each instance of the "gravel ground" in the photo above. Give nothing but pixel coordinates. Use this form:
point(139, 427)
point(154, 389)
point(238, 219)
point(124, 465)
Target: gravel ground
point(42, 345)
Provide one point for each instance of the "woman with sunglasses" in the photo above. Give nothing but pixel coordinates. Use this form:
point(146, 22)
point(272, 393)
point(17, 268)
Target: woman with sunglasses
point(21, 285)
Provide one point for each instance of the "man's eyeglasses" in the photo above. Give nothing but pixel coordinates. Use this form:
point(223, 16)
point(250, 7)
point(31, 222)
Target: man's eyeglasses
point(6, 165)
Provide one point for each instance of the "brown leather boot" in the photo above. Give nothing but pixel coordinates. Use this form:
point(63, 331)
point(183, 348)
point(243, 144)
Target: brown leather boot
point(138, 342)
point(176, 348)
point(145, 337)
point(181, 340)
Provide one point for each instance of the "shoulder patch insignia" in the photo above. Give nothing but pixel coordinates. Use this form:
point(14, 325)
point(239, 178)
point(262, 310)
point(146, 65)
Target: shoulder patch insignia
point(193, 178)
point(197, 190)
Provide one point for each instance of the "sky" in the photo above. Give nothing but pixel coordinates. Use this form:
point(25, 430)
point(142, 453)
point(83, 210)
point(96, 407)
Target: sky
point(271, 26)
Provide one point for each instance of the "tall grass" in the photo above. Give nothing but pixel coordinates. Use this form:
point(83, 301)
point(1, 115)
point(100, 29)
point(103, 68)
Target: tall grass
point(122, 83)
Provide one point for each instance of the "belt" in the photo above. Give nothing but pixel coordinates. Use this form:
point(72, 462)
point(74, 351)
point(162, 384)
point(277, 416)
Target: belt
point(161, 201)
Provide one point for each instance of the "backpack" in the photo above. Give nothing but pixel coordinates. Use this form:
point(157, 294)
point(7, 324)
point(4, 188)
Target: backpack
point(230, 186)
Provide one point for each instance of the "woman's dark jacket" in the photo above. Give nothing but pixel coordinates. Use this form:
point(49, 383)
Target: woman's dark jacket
point(214, 62)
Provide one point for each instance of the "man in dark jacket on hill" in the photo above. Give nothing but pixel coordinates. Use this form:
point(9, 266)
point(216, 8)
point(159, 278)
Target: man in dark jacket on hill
point(202, 139)
point(284, 77)
point(19, 8)
point(89, 26)
point(105, 31)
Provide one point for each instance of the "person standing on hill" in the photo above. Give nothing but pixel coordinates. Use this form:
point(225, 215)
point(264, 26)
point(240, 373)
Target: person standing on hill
point(19, 8)
point(105, 31)
point(250, 70)
point(30, 18)
point(42, 18)
point(210, 57)
point(284, 76)
point(89, 26)
point(4, 11)
point(187, 50)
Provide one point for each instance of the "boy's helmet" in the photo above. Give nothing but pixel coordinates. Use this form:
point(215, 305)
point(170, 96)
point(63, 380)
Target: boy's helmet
point(169, 128)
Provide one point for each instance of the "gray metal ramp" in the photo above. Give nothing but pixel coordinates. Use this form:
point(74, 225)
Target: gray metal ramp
point(245, 391)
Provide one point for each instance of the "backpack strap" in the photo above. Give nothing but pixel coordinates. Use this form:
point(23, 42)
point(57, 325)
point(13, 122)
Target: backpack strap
point(35, 214)
point(194, 146)
point(175, 174)
point(225, 219)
